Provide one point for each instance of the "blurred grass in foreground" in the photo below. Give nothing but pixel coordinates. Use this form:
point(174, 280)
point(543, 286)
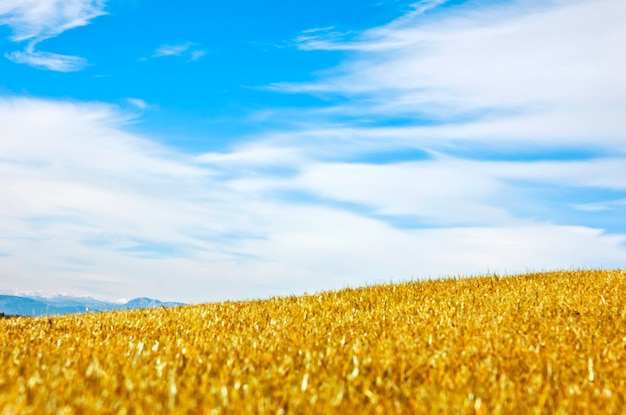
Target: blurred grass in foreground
point(540, 343)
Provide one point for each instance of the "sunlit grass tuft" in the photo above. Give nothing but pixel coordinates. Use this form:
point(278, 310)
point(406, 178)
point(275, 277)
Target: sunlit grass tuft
point(541, 343)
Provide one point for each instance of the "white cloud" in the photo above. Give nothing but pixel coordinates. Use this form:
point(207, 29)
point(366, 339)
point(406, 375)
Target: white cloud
point(327, 38)
point(520, 71)
point(172, 50)
point(47, 60)
point(138, 103)
point(189, 49)
point(319, 29)
point(602, 206)
point(422, 6)
point(90, 209)
point(197, 54)
point(36, 20)
point(43, 19)
point(326, 248)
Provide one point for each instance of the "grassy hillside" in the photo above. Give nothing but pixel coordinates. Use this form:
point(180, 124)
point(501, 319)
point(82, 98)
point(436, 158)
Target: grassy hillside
point(542, 343)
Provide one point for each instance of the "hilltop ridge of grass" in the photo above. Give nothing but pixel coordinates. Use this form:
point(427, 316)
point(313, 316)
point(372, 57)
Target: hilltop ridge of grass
point(539, 343)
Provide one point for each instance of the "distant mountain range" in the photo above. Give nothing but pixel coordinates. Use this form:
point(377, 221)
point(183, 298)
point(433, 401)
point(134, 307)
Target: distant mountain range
point(60, 305)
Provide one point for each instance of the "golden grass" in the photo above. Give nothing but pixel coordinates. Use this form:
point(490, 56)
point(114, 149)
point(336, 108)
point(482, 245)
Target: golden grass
point(542, 343)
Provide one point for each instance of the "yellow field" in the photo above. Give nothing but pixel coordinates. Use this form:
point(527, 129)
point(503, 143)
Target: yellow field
point(542, 343)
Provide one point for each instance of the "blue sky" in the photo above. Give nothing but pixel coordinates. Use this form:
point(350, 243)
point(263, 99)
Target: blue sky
point(202, 151)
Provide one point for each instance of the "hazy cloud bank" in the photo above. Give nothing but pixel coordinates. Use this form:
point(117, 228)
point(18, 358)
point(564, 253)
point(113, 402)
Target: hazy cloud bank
point(456, 140)
point(89, 206)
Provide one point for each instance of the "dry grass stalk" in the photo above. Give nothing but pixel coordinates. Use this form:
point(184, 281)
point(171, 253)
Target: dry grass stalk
point(542, 343)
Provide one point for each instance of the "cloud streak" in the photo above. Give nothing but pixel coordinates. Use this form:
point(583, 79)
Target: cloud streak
point(172, 50)
point(138, 103)
point(34, 21)
point(180, 49)
point(47, 60)
point(504, 58)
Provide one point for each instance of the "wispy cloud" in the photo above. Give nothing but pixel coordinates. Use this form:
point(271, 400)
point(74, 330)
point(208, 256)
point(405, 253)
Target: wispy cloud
point(499, 72)
point(602, 206)
point(33, 21)
point(47, 60)
point(172, 50)
point(323, 38)
point(197, 54)
point(42, 19)
point(327, 38)
point(138, 103)
point(324, 29)
point(422, 6)
point(189, 49)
